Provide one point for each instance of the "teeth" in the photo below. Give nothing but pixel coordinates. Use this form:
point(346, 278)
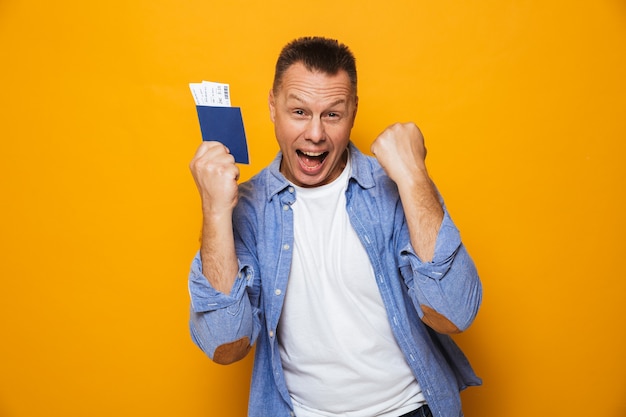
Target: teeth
point(313, 154)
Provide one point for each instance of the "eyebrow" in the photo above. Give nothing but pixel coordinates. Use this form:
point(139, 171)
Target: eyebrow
point(301, 100)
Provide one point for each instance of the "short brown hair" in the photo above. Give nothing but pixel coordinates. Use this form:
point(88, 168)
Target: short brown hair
point(316, 54)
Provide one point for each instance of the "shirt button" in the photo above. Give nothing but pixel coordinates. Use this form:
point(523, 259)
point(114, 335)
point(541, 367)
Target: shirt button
point(291, 190)
point(277, 291)
point(271, 333)
point(286, 247)
point(286, 207)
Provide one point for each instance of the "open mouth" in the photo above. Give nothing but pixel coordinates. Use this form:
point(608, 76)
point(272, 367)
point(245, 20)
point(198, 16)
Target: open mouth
point(311, 160)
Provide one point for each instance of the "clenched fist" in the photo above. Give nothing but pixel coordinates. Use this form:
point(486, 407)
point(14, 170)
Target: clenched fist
point(401, 152)
point(215, 173)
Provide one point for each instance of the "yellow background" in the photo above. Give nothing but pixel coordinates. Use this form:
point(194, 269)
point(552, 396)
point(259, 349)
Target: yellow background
point(523, 106)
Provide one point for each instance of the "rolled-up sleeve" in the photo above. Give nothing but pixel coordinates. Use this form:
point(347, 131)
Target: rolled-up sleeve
point(449, 283)
point(217, 318)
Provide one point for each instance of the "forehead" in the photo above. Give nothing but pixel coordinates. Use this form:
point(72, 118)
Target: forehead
point(300, 82)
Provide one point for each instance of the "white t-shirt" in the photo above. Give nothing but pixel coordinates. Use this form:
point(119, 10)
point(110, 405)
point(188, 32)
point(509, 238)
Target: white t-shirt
point(338, 352)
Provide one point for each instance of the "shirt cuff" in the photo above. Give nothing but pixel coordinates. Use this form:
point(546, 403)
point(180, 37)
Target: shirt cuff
point(206, 298)
point(446, 246)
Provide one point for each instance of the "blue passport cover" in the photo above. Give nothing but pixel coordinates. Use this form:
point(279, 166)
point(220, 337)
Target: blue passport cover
point(225, 125)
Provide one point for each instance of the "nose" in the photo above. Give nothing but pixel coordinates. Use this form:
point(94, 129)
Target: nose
point(315, 130)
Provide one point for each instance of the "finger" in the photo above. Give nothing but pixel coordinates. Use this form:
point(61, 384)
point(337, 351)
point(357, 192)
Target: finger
point(208, 156)
point(210, 147)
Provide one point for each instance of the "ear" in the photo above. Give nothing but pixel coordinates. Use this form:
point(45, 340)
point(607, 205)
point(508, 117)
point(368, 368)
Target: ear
point(272, 104)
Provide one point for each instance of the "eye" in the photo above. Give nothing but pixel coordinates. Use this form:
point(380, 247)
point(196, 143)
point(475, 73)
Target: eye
point(299, 112)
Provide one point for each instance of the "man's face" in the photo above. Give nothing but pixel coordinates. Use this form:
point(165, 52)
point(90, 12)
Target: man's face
point(313, 114)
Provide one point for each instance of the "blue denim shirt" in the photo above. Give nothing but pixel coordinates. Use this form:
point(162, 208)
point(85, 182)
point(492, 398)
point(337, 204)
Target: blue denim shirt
point(263, 229)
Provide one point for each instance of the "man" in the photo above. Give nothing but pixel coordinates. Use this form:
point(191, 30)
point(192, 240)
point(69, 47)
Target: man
point(345, 270)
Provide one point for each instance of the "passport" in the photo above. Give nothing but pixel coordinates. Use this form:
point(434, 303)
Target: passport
point(225, 125)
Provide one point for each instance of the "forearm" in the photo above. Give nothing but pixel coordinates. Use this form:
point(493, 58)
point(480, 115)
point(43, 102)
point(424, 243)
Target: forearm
point(217, 251)
point(423, 213)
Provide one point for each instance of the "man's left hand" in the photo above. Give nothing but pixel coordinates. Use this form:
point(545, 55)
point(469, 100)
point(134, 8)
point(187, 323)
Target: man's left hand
point(401, 152)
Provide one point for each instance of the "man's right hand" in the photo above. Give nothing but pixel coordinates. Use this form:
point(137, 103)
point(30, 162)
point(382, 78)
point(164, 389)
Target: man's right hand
point(215, 173)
